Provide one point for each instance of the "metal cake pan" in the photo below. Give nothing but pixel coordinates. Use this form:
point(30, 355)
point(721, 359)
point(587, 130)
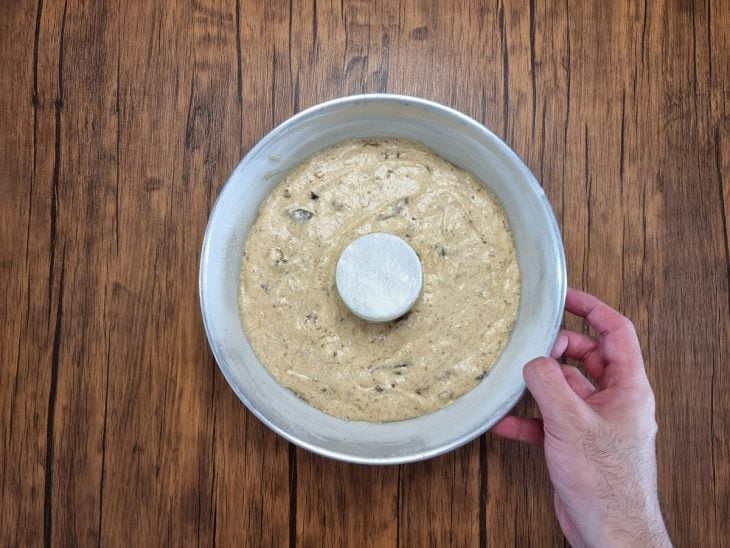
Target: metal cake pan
point(465, 143)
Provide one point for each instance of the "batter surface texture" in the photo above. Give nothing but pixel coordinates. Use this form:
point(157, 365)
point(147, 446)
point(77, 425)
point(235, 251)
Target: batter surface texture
point(303, 333)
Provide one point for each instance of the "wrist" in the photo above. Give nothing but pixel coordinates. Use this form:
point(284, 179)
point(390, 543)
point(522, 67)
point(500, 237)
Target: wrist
point(643, 528)
point(614, 525)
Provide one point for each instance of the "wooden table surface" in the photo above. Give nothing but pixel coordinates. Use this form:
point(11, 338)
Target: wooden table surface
point(119, 123)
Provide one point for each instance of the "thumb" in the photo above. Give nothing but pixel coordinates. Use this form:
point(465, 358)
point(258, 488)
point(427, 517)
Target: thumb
point(548, 386)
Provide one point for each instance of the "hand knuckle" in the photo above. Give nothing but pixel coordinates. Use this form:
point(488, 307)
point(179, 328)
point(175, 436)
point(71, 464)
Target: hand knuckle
point(643, 397)
point(628, 324)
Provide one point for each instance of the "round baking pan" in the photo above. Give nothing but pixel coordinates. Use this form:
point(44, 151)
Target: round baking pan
point(463, 142)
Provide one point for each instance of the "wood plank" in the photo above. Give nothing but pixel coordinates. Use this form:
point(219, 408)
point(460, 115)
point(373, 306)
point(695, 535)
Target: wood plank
point(27, 314)
point(456, 61)
point(145, 386)
point(83, 240)
point(717, 47)
point(332, 48)
point(201, 460)
point(535, 69)
point(690, 213)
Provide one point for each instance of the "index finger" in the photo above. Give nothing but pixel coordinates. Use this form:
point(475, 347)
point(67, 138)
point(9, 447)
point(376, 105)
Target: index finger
point(620, 345)
point(601, 317)
point(525, 430)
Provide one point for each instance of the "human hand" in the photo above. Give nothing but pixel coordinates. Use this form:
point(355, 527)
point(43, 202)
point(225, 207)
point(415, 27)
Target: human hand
point(598, 437)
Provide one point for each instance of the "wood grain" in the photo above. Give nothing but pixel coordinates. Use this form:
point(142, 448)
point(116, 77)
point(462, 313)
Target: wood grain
point(119, 124)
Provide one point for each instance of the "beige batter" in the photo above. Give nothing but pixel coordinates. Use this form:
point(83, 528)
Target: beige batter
point(303, 333)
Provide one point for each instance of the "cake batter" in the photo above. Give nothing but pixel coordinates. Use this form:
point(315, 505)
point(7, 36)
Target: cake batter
point(311, 343)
